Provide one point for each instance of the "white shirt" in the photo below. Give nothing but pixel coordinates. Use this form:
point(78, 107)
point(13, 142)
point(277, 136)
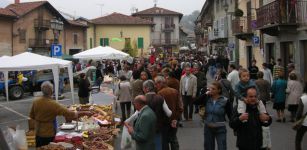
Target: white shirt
point(186, 79)
point(304, 100)
point(233, 77)
point(267, 75)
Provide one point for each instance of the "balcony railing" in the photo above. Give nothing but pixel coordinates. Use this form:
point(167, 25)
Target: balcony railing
point(165, 42)
point(40, 42)
point(282, 12)
point(301, 12)
point(168, 27)
point(242, 25)
point(41, 23)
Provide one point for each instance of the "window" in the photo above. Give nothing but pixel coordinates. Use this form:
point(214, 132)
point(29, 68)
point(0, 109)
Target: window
point(104, 41)
point(91, 43)
point(75, 35)
point(22, 36)
point(140, 42)
point(260, 3)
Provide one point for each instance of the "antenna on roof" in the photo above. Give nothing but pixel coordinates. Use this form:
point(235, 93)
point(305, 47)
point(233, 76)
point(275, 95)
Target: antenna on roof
point(155, 3)
point(133, 10)
point(101, 6)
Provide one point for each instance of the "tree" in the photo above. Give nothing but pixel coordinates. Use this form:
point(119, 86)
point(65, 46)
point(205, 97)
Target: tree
point(128, 48)
point(187, 21)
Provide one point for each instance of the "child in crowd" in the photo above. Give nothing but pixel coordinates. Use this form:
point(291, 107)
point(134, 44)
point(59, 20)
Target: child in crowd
point(240, 90)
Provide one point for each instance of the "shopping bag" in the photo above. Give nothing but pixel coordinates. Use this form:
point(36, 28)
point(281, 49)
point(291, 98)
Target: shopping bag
point(266, 140)
point(90, 99)
point(20, 139)
point(126, 141)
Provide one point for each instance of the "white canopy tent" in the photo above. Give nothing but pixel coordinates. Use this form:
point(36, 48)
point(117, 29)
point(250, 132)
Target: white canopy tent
point(184, 48)
point(31, 61)
point(101, 52)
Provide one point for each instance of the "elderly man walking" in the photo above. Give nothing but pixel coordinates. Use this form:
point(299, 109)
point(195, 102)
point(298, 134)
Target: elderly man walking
point(188, 89)
point(144, 128)
point(172, 99)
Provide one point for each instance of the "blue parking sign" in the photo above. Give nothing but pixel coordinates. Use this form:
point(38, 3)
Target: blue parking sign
point(256, 40)
point(56, 50)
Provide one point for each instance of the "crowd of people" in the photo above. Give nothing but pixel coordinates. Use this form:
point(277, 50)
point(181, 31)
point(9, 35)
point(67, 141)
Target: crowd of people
point(166, 92)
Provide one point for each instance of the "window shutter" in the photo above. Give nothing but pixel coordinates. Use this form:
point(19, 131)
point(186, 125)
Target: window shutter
point(101, 41)
point(106, 42)
point(140, 42)
point(91, 43)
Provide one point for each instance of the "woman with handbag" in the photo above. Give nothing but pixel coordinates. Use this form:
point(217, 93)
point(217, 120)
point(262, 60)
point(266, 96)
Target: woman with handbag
point(301, 124)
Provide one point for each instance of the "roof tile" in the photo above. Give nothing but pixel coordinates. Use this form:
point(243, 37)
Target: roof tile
point(6, 12)
point(157, 11)
point(120, 19)
point(24, 8)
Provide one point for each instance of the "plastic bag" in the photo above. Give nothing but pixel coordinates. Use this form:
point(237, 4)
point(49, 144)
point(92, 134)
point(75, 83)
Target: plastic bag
point(20, 139)
point(90, 99)
point(126, 141)
point(6, 139)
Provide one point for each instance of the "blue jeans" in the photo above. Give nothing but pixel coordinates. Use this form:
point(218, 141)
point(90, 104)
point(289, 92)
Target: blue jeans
point(218, 133)
point(158, 141)
point(212, 71)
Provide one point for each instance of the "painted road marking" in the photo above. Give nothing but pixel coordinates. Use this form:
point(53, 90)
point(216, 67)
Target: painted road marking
point(12, 110)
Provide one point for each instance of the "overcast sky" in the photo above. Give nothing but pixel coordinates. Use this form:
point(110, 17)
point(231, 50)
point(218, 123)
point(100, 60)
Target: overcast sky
point(92, 8)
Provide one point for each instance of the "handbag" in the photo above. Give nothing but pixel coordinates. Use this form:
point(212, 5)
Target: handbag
point(298, 124)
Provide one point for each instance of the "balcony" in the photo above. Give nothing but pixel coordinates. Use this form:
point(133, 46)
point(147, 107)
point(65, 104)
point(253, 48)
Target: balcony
point(168, 28)
point(242, 27)
point(163, 42)
point(40, 43)
point(42, 24)
point(301, 15)
point(279, 16)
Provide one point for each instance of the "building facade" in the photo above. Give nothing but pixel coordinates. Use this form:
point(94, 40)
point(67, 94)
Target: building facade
point(217, 37)
point(31, 29)
point(283, 24)
point(165, 32)
point(117, 30)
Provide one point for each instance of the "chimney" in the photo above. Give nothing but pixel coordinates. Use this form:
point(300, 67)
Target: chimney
point(17, 1)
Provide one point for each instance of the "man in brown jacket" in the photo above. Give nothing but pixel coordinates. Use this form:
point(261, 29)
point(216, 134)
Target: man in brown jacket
point(173, 101)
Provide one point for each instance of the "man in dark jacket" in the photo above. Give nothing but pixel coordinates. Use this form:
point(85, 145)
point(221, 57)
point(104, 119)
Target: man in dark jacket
point(84, 89)
point(201, 82)
point(249, 125)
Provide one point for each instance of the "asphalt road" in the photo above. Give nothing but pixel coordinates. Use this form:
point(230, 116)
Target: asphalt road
point(190, 136)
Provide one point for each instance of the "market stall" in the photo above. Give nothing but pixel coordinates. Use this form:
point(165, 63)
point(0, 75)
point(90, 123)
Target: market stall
point(88, 132)
point(30, 61)
point(101, 52)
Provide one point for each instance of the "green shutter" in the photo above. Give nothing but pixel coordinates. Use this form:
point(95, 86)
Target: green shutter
point(106, 42)
point(140, 42)
point(101, 41)
point(91, 43)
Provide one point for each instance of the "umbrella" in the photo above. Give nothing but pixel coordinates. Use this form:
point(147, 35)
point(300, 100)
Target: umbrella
point(116, 39)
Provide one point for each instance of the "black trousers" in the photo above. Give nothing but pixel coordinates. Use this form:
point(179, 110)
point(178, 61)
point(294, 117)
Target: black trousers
point(169, 138)
point(123, 107)
point(42, 141)
point(299, 137)
point(187, 107)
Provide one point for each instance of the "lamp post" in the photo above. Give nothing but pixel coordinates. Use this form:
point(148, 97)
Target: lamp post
point(57, 26)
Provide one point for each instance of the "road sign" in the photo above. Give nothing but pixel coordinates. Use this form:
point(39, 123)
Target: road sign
point(256, 40)
point(56, 50)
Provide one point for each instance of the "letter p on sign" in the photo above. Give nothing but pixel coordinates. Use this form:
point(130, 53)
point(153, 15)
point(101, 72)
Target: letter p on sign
point(56, 50)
